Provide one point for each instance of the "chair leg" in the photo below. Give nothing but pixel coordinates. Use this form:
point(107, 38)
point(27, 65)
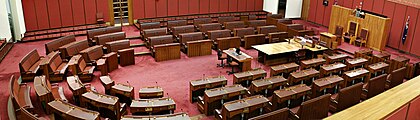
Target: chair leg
point(231, 72)
point(221, 64)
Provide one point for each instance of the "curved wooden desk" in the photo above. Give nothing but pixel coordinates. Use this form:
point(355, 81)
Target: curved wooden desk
point(176, 116)
point(153, 106)
point(67, 111)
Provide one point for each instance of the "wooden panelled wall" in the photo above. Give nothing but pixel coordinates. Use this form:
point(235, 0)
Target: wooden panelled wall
point(397, 12)
point(48, 14)
point(377, 26)
point(163, 8)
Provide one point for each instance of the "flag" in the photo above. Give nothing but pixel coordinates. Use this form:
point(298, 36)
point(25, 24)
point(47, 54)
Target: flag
point(404, 36)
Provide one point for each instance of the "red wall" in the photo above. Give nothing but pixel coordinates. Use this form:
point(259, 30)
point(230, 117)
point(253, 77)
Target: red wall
point(397, 12)
point(163, 8)
point(48, 14)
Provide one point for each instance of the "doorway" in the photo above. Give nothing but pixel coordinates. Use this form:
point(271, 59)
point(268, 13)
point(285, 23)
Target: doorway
point(120, 12)
point(282, 7)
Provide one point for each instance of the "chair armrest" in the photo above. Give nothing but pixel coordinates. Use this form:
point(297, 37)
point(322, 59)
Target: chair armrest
point(333, 101)
point(293, 115)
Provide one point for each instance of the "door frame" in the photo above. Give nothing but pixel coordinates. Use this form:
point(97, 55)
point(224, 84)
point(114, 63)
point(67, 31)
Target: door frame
point(111, 12)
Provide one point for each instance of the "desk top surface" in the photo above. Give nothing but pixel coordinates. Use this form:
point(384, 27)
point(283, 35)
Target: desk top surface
point(327, 34)
point(292, 90)
point(304, 73)
point(356, 61)
point(208, 80)
point(101, 98)
point(269, 81)
point(39, 86)
point(382, 55)
point(338, 56)
point(401, 59)
point(284, 47)
point(284, 66)
point(241, 58)
point(224, 90)
point(258, 71)
point(74, 83)
point(122, 87)
point(73, 110)
point(175, 116)
point(158, 102)
point(313, 61)
point(106, 80)
point(328, 80)
point(356, 72)
point(151, 89)
point(245, 103)
point(377, 66)
point(333, 66)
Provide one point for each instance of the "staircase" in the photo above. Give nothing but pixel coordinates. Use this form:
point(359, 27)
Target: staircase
point(120, 8)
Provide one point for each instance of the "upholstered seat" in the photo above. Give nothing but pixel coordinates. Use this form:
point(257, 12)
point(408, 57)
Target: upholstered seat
point(374, 87)
point(395, 78)
point(316, 108)
point(56, 68)
point(347, 97)
point(363, 38)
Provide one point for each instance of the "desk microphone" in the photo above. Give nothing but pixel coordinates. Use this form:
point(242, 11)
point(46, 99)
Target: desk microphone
point(128, 83)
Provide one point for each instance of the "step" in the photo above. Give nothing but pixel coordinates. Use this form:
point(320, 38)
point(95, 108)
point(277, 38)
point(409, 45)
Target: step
point(142, 53)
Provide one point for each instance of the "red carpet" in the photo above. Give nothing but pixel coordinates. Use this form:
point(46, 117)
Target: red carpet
point(173, 76)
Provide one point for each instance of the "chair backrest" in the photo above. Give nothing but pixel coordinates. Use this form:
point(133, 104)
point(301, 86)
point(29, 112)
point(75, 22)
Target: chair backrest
point(256, 23)
point(81, 63)
point(338, 31)
point(376, 85)
point(199, 21)
point(92, 53)
point(210, 27)
point(296, 27)
point(352, 28)
point(241, 32)
point(159, 40)
point(54, 45)
point(182, 29)
point(102, 39)
point(285, 21)
point(13, 84)
point(28, 60)
point(281, 114)
point(100, 31)
point(224, 19)
point(54, 61)
point(219, 53)
point(149, 25)
point(114, 46)
point(275, 16)
point(174, 23)
point(218, 34)
point(154, 32)
point(234, 24)
point(364, 34)
point(99, 15)
point(397, 77)
point(349, 96)
point(75, 47)
point(277, 37)
point(267, 29)
point(316, 108)
point(301, 52)
point(185, 37)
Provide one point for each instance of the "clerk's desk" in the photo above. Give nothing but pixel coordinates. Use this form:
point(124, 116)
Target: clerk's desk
point(279, 53)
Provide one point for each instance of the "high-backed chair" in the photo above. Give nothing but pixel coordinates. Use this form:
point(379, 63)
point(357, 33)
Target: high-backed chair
point(80, 68)
point(374, 86)
point(100, 18)
point(221, 56)
point(362, 38)
point(346, 97)
point(199, 21)
point(300, 55)
point(395, 78)
point(55, 68)
point(339, 33)
point(29, 66)
point(351, 31)
point(125, 53)
point(55, 44)
point(316, 108)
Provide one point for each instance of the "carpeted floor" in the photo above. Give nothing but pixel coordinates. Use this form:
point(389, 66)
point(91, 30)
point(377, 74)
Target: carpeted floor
point(173, 76)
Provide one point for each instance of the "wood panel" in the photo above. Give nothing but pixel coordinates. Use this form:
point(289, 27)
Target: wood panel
point(397, 25)
point(78, 12)
point(242, 5)
point(414, 109)
point(223, 5)
point(42, 14)
point(54, 13)
point(161, 8)
point(183, 7)
point(194, 6)
point(173, 7)
point(31, 22)
point(312, 10)
point(320, 9)
point(339, 17)
point(259, 5)
point(416, 39)
point(412, 12)
point(66, 13)
point(368, 5)
point(204, 6)
point(305, 9)
point(327, 15)
point(102, 7)
point(149, 8)
point(400, 114)
point(90, 11)
point(378, 6)
point(250, 5)
point(233, 5)
point(138, 9)
point(348, 3)
point(214, 6)
point(356, 3)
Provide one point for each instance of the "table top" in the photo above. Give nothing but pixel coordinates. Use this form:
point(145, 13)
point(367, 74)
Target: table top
point(304, 73)
point(292, 90)
point(269, 81)
point(401, 59)
point(378, 66)
point(327, 34)
point(241, 58)
point(39, 86)
point(224, 90)
point(284, 66)
point(245, 103)
point(74, 83)
point(356, 61)
point(73, 110)
point(106, 80)
point(101, 98)
point(338, 56)
point(333, 66)
point(328, 80)
point(313, 61)
point(208, 80)
point(158, 102)
point(258, 71)
point(382, 55)
point(153, 89)
point(122, 87)
point(364, 51)
point(356, 72)
point(284, 47)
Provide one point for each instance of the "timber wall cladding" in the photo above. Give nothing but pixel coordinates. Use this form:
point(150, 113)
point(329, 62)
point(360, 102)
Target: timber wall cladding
point(163, 8)
point(397, 10)
point(48, 14)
